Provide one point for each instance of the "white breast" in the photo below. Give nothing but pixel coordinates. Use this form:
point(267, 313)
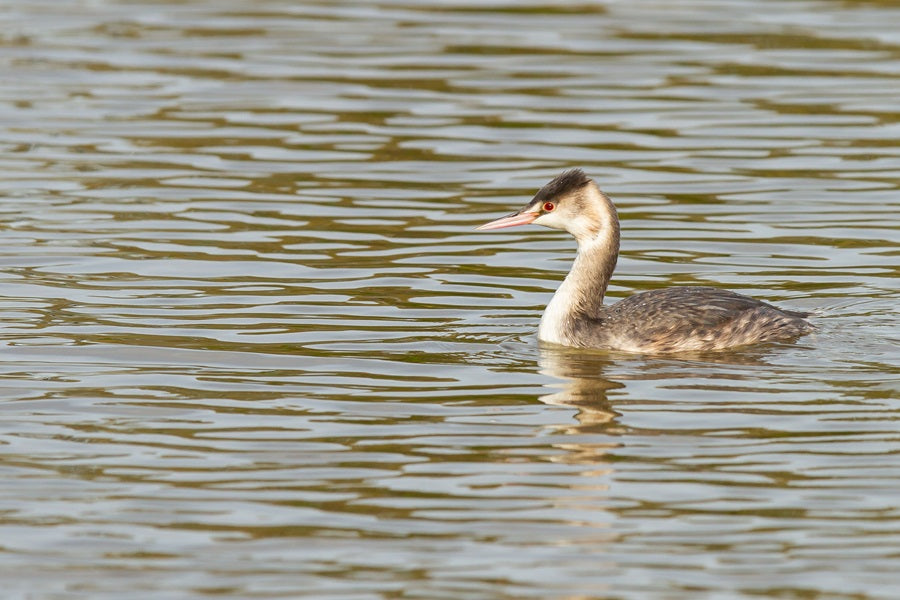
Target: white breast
point(556, 314)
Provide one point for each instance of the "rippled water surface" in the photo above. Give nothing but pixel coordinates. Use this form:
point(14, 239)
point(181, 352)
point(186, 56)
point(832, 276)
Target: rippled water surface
point(253, 348)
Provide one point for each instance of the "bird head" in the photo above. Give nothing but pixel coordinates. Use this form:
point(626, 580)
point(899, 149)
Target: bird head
point(571, 201)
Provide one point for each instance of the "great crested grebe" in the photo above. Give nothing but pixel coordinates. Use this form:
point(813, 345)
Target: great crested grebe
point(667, 320)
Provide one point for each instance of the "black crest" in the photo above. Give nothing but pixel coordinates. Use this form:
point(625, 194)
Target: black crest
point(562, 184)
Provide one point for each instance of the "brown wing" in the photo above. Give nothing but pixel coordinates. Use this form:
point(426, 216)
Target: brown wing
point(695, 318)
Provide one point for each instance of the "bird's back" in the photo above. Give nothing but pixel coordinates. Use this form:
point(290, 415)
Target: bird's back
point(686, 319)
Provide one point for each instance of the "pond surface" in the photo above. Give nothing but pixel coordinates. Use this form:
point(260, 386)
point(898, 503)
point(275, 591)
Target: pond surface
point(253, 348)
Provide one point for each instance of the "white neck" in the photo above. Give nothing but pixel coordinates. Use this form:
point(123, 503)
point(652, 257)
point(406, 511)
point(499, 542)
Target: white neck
point(581, 293)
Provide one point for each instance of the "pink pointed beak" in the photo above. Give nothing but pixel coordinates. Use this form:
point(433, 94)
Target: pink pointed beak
point(516, 218)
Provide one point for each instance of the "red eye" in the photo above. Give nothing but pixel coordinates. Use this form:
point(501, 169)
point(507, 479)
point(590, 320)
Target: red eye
point(548, 206)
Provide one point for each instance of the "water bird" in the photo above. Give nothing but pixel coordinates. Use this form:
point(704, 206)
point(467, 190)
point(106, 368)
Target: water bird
point(677, 319)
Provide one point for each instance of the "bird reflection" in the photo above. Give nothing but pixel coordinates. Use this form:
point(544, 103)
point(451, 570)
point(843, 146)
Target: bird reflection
point(585, 386)
point(585, 389)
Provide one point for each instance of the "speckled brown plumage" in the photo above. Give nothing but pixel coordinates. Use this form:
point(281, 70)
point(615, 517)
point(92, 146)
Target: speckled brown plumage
point(683, 319)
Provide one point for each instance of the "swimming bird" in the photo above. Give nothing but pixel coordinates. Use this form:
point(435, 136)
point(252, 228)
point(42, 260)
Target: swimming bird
point(690, 318)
